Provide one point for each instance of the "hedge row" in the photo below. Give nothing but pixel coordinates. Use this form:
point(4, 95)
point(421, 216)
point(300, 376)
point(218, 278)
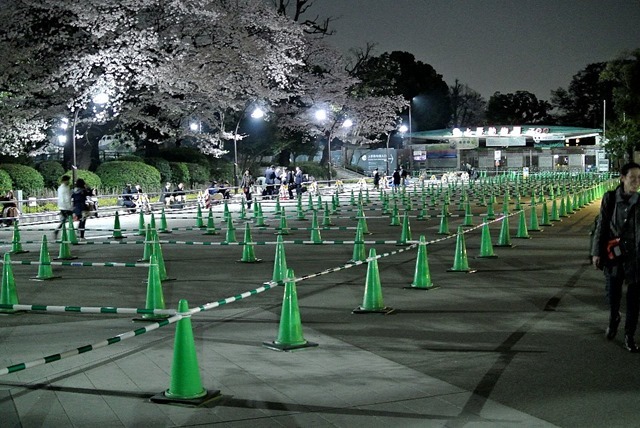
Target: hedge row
point(111, 175)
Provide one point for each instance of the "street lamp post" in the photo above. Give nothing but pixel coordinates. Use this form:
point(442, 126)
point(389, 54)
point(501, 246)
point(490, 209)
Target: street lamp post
point(257, 113)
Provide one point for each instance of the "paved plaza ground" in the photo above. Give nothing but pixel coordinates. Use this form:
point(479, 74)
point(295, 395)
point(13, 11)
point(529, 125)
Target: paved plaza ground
point(520, 342)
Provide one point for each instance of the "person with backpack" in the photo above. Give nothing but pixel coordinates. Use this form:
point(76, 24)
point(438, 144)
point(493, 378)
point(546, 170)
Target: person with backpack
point(616, 241)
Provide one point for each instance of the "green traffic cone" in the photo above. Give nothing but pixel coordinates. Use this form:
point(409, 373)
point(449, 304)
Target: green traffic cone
point(117, 232)
point(544, 218)
point(163, 223)
point(199, 220)
point(504, 240)
point(186, 384)
point(310, 206)
point(157, 250)
point(71, 232)
point(283, 229)
point(555, 215)
point(372, 300)
point(486, 247)
point(45, 271)
point(211, 227)
point(231, 230)
point(278, 208)
point(148, 245)
point(8, 292)
point(259, 216)
point(248, 254)
point(315, 230)
point(522, 233)
point(422, 275)
point(65, 250)
point(299, 209)
point(444, 221)
point(468, 215)
point(290, 330)
point(359, 254)
point(225, 212)
point(280, 262)
point(460, 262)
point(326, 219)
point(406, 231)
point(362, 221)
point(16, 242)
point(395, 218)
point(534, 225)
point(142, 230)
point(155, 297)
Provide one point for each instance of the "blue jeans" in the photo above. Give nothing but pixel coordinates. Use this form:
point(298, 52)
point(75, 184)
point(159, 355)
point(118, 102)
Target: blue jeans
point(613, 285)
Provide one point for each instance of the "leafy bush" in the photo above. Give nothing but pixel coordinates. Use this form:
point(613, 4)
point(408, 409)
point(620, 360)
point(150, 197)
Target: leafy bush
point(162, 165)
point(5, 182)
point(90, 179)
point(131, 158)
point(25, 178)
point(116, 174)
point(51, 172)
point(314, 169)
point(198, 174)
point(180, 172)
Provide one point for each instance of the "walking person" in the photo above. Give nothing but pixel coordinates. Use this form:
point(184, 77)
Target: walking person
point(64, 203)
point(246, 183)
point(396, 179)
point(615, 251)
point(80, 211)
point(291, 182)
point(298, 180)
point(376, 179)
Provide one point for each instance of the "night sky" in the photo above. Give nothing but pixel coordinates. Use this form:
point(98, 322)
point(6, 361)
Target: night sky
point(491, 45)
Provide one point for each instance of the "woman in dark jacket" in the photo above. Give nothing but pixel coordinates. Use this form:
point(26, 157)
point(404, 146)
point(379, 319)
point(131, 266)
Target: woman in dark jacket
point(615, 251)
point(79, 200)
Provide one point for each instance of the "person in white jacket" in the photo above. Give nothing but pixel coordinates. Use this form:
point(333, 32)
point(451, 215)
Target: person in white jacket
point(64, 203)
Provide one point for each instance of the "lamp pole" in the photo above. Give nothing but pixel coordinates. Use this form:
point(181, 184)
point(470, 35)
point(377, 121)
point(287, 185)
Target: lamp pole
point(257, 113)
point(74, 166)
point(387, 152)
point(235, 153)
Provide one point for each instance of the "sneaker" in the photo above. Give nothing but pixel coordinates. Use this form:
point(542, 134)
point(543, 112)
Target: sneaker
point(612, 329)
point(630, 344)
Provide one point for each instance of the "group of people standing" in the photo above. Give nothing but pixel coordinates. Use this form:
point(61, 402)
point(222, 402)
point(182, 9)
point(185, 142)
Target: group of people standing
point(74, 202)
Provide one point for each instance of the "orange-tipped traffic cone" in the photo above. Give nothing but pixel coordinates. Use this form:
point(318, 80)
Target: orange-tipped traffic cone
point(372, 300)
point(44, 268)
point(290, 331)
point(186, 383)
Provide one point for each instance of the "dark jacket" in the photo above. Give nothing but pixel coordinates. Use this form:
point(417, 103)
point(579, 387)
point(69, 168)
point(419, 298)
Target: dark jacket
point(620, 220)
point(79, 200)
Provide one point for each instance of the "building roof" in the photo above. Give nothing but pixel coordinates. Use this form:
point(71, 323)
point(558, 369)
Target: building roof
point(538, 133)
